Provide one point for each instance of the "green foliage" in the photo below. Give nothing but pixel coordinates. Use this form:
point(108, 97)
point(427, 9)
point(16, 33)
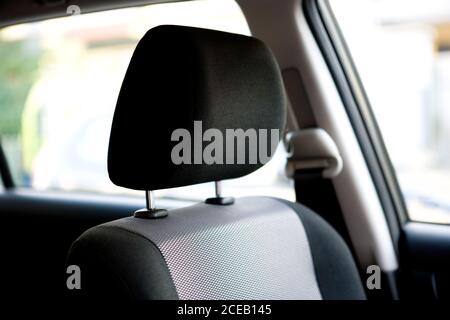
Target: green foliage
point(19, 62)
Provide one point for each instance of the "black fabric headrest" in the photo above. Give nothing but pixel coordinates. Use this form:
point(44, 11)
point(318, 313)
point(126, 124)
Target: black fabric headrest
point(179, 75)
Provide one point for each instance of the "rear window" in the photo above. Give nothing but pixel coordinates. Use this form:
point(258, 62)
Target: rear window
point(59, 81)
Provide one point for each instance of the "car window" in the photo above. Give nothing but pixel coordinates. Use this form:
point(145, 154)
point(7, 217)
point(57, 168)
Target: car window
point(59, 81)
point(401, 49)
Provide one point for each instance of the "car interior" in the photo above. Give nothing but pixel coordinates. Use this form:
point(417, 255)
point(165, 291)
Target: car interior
point(122, 172)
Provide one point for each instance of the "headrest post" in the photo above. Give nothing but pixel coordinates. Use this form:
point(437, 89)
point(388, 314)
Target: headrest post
point(149, 200)
point(150, 212)
point(218, 188)
point(218, 199)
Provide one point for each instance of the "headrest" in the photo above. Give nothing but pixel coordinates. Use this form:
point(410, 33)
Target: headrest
point(193, 80)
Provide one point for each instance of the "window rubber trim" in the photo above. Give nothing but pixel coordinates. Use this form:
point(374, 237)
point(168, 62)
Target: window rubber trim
point(338, 59)
point(5, 172)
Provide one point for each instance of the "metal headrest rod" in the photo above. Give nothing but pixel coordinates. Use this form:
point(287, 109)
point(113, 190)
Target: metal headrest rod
point(149, 200)
point(218, 199)
point(218, 188)
point(150, 212)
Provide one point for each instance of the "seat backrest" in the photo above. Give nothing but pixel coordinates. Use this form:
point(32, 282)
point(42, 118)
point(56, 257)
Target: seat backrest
point(243, 248)
point(258, 248)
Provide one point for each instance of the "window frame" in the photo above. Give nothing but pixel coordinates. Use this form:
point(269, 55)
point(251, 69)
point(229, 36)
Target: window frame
point(5, 173)
point(338, 58)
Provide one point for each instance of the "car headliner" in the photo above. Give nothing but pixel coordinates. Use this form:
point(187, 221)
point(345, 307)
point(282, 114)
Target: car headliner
point(19, 11)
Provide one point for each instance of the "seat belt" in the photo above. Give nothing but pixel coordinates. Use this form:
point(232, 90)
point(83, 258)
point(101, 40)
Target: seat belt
point(313, 158)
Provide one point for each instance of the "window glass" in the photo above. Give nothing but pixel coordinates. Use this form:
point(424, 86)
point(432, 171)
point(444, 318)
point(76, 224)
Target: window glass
point(59, 81)
point(401, 49)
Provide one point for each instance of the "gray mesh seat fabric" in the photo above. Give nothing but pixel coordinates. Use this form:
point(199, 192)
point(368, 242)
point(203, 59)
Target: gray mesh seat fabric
point(254, 248)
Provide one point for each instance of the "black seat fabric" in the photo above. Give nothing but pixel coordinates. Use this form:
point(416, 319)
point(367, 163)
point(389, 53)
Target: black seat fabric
point(254, 248)
point(258, 248)
point(179, 75)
